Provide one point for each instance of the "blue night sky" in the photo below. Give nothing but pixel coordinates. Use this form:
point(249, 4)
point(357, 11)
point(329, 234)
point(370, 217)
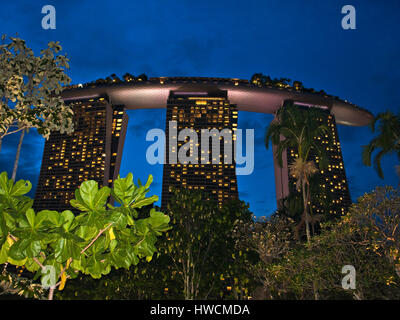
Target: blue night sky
point(300, 40)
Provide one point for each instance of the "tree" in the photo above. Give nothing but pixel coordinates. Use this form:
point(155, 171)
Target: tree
point(366, 238)
point(270, 239)
point(288, 269)
point(30, 88)
point(222, 274)
point(377, 215)
point(237, 282)
point(91, 243)
point(292, 206)
point(297, 129)
point(387, 141)
point(200, 245)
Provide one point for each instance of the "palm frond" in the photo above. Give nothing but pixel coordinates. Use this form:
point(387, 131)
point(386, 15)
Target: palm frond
point(377, 163)
point(302, 171)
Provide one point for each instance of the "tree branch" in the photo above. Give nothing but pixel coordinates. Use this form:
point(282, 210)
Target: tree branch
point(95, 238)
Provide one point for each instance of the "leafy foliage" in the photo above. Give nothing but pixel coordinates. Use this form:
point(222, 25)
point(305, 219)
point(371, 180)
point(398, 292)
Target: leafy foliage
point(197, 259)
point(271, 239)
point(366, 238)
point(262, 80)
point(199, 244)
point(30, 88)
point(378, 215)
point(12, 284)
point(387, 141)
point(297, 129)
point(99, 238)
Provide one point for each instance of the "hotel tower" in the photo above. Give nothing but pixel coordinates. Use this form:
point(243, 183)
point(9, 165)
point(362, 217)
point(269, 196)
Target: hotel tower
point(207, 114)
point(92, 152)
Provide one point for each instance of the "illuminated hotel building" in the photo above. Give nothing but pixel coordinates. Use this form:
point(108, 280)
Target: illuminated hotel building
point(95, 148)
point(92, 152)
point(335, 196)
point(211, 172)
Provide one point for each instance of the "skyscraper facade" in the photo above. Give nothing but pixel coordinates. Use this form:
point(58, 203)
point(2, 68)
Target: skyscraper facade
point(92, 152)
point(212, 165)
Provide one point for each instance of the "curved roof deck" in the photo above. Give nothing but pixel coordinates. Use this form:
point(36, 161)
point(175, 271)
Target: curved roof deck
point(154, 94)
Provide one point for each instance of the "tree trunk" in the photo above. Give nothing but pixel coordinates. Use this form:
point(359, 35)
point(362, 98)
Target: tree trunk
point(315, 289)
point(303, 186)
point(51, 293)
point(305, 201)
point(14, 173)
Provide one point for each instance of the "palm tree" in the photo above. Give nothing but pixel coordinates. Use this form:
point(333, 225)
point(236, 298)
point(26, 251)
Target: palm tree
point(387, 140)
point(295, 128)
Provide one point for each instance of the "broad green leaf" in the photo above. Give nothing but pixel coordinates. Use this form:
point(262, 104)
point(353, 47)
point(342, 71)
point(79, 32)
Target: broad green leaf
point(30, 216)
point(4, 186)
point(100, 198)
point(99, 245)
point(17, 250)
point(31, 264)
point(53, 217)
point(123, 189)
point(20, 188)
point(33, 249)
point(41, 217)
point(4, 252)
point(142, 227)
point(68, 218)
point(144, 202)
point(87, 232)
point(96, 268)
point(56, 236)
point(118, 218)
point(78, 202)
point(113, 244)
point(59, 249)
point(87, 191)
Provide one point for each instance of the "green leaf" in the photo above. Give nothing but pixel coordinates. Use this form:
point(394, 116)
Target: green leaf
point(132, 257)
point(3, 180)
point(41, 216)
point(53, 217)
point(96, 268)
point(78, 202)
point(158, 221)
point(68, 218)
point(100, 198)
point(149, 181)
point(33, 249)
point(87, 191)
point(144, 202)
point(142, 227)
point(123, 189)
point(4, 252)
point(59, 249)
point(4, 185)
point(20, 188)
point(87, 232)
point(17, 250)
point(99, 245)
point(119, 219)
point(30, 215)
point(31, 264)
point(79, 205)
